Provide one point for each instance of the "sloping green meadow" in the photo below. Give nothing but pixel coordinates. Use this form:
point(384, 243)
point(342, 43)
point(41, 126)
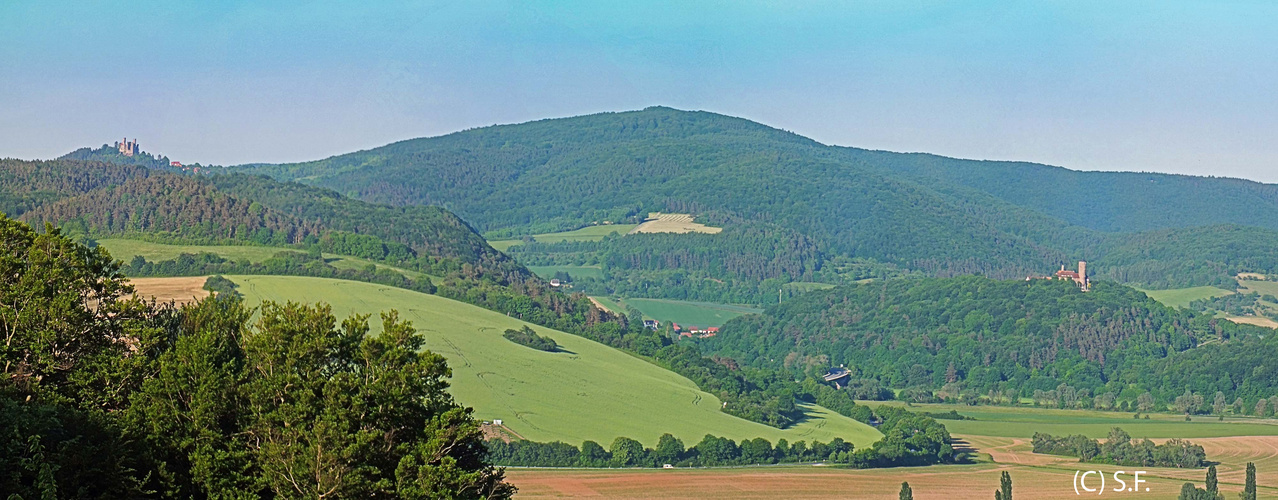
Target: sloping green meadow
point(125, 250)
point(592, 392)
point(1181, 297)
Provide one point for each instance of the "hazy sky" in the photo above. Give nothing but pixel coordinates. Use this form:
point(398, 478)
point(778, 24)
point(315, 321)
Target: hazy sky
point(1171, 86)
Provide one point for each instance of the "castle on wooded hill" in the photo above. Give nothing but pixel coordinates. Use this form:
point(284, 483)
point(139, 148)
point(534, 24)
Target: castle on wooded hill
point(1079, 277)
point(127, 148)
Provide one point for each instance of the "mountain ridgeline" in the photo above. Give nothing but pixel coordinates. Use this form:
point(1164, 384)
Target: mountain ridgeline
point(914, 212)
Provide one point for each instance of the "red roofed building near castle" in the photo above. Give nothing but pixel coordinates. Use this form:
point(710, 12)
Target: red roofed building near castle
point(1079, 277)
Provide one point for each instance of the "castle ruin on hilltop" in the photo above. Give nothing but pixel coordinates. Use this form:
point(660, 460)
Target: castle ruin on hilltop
point(127, 148)
point(1079, 277)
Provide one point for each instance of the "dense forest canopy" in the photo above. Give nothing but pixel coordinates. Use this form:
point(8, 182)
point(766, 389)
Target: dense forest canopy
point(940, 216)
point(1021, 337)
point(104, 395)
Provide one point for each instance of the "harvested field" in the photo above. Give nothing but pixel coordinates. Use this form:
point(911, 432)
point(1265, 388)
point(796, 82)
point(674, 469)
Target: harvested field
point(1253, 320)
point(1033, 476)
point(957, 482)
point(180, 290)
point(673, 223)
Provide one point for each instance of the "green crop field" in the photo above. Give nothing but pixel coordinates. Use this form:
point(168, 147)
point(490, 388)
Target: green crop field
point(689, 313)
point(1023, 422)
point(591, 392)
point(548, 272)
point(588, 233)
point(1261, 287)
point(610, 304)
point(124, 250)
point(1181, 297)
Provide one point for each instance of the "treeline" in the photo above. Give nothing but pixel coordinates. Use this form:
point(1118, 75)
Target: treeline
point(908, 440)
point(968, 337)
point(119, 398)
point(1119, 449)
point(284, 263)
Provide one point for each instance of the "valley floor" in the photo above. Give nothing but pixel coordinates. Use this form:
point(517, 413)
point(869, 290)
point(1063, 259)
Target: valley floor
point(1034, 476)
point(999, 439)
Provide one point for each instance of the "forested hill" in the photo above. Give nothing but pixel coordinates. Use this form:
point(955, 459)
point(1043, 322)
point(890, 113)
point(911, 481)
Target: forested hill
point(109, 154)
point(1105, 201)
point(103, 199)
point(941, 216)
point(980, 335)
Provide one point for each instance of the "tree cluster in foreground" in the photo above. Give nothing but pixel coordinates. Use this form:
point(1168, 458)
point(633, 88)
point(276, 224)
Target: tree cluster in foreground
point(527, 337)
point(103, 395)
point(909, 439)
point(1119, 449)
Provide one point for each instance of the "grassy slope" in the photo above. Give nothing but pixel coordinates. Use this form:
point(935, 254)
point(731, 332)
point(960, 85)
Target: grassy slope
point(1181, 297)
point(124, 249)
point(594, 392)
point(1023, 422)
point(589, 233)
point(690, 313)
point(548, 272)
point(1261, 287)
point(685, 313)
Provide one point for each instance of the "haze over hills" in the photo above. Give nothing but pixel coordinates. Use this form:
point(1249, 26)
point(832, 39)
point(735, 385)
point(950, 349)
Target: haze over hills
point(809, 202)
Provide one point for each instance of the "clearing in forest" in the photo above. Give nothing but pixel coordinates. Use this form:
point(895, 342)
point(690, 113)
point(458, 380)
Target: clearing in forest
point(673, 223)
point(588, 233)
point(1181, 297)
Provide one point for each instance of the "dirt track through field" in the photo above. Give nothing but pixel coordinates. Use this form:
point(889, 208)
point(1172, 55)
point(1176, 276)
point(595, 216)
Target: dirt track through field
point(181, 290)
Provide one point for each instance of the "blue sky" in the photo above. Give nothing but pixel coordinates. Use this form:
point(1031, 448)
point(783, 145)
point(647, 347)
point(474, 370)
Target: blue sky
point(1185, 87)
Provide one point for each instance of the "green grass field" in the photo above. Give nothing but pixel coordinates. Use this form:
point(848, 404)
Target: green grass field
point(592, 392)
point(588, 233)
point(547, 272)
point(124, 250)
point(1261, 287)
point(689, 313)
point(1023, 422)
point(806, 286)
point(1181, 297)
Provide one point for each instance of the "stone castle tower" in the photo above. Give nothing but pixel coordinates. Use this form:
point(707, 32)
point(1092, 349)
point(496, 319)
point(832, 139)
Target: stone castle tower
point(127, 148)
